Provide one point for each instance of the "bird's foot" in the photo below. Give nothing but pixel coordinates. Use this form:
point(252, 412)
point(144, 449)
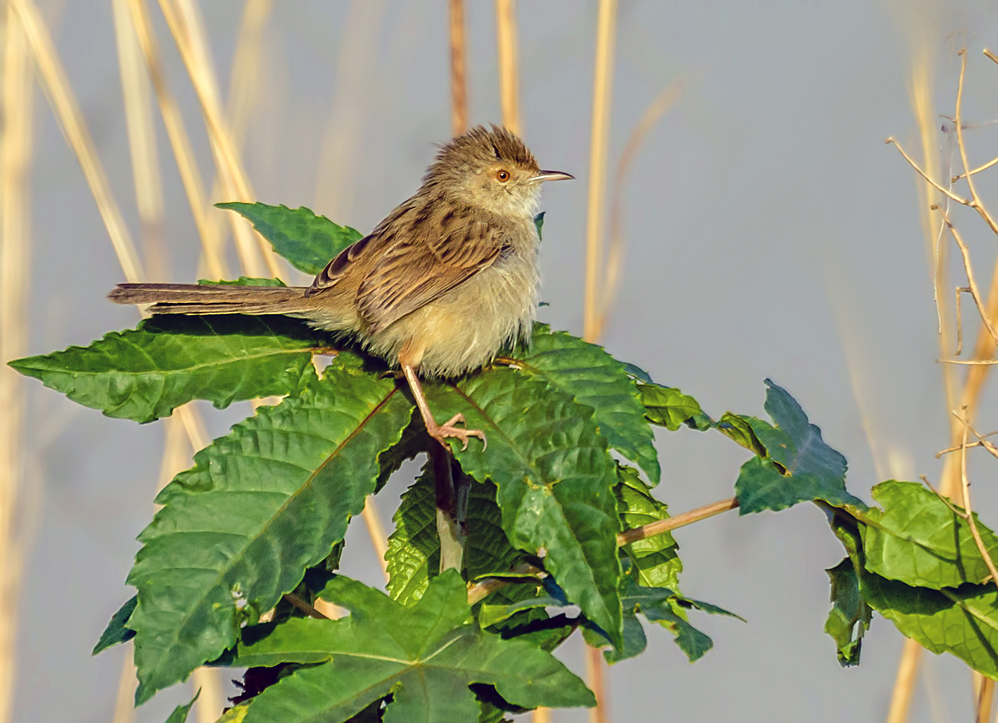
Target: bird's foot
point(440, 432)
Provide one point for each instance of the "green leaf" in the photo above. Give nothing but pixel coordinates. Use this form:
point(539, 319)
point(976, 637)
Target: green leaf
point(961, 621)
point(850, 616)
point(670, 408)
point(307, 241)
point(920, 540)
point(235, 714)
point(145, 373)
point(180, 713)
point(594, 378)
point(259, 506)
point(738, 428)
point(654, 561)
point(413, 554)
point(539, 224)
point(799, 466)
point(116, 632)
point(555, 480)
point(657, 605)
point(426, 658)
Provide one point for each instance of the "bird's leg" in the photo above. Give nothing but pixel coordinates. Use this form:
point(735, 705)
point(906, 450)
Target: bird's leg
point(439, 432)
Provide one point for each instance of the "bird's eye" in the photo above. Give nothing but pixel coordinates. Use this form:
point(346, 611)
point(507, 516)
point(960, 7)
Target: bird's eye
point(502, 175)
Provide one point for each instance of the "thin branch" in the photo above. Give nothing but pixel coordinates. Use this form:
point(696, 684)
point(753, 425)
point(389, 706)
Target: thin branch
point(687, 518)
point(483, 589)
point(968, 514)
point(923, 174)
point(975, 171)
point(304, 606)
point(969, 269)
point(971, 362)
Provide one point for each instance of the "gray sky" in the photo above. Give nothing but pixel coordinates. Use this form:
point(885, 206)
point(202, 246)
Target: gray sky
point(768, 230)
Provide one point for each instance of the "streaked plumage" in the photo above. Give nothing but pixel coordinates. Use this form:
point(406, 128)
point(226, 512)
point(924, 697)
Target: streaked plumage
point(440, 285)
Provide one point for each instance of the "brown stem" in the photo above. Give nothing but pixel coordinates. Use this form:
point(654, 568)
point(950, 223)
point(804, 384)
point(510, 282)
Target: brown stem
point(304, 606)
point(687, 518)
point(450, 525)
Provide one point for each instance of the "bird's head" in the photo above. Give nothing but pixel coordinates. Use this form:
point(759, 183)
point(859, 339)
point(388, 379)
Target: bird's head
point(491, 169)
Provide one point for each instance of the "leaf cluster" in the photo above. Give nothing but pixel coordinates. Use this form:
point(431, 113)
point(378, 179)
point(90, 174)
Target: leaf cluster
point(249, 538)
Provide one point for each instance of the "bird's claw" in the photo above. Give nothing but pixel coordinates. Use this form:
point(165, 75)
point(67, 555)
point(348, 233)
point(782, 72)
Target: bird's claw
point(441, 432)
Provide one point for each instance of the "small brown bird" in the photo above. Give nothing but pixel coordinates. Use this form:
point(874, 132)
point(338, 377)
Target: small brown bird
point(439, 286)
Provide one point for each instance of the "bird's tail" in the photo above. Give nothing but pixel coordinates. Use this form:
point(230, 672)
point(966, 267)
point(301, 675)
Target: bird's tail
point(201, 299)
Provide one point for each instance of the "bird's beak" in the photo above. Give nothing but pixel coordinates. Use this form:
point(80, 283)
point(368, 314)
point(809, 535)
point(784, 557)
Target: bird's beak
point(551, 176)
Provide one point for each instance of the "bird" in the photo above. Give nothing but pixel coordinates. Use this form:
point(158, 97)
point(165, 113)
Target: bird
point(448, 279)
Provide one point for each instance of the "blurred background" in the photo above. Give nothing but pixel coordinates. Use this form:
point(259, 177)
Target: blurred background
point(759, 225)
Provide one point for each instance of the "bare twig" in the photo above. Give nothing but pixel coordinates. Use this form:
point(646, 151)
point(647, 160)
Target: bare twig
point(968, 513)
point(969, 269)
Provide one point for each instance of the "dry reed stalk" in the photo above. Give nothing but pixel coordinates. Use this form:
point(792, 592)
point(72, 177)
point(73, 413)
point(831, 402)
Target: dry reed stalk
point(602, 82)
point(190, 177)
point(596, 680)
point(376, 531)
point(541, 715)
point(184, 21)
point(921, 93)
point(244, 88)
point(128, 682)
point(985, 699)
point(137, 96)
point(904, 685)
point(15, 156)
point(458, 69)
point(70, 119)
point(341, 149)
point(615, 253)
point(509, 75)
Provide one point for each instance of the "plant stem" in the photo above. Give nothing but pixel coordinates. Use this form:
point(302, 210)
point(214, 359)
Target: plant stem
point(450, 522)
point(687, 518)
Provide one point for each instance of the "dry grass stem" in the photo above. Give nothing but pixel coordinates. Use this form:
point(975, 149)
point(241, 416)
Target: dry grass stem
point(244, 91)
point(124, 701)
point(186, 27)
point(602, 82)
point(376, 531)
point(615, 251)
point(509, 79)
point(342, 148)
point(211, 700)
point(904, 683)
point(190, 177)
point(596, 680)
point(15, 269)
point(458, 69)
point(67, 112)
point(985, 699)
point(137, 96)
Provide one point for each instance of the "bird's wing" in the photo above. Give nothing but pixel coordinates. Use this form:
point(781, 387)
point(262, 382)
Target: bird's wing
point(406, 270)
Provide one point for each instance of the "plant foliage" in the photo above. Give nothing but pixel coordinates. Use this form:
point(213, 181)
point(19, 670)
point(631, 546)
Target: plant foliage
point(256, 525)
